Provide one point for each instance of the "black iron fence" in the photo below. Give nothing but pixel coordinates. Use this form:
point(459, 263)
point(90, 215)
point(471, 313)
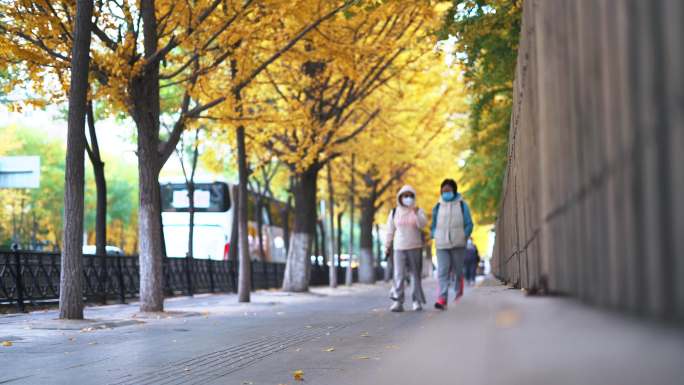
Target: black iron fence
point(33, 277)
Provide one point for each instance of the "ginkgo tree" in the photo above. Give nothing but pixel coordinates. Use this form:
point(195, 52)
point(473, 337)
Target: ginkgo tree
point(407, 139)
point(153, 57)
point(316, 96)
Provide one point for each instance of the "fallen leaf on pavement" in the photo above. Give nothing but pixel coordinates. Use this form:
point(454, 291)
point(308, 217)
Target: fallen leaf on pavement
point(330, 349)
point(507, 318)
point(365, 334)
point(7, 343)
point(247, 383)
point(362, 358)
point(298, 375)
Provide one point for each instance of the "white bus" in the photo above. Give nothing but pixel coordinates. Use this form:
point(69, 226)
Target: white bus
point(214, 219)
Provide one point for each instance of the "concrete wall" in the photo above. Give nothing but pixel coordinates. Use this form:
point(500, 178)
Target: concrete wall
point(593, 201)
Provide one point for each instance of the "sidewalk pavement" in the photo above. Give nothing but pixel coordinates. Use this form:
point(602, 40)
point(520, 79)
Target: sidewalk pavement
point(494, 335)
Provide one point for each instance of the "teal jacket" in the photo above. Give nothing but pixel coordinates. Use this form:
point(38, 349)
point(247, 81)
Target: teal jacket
point(467, 219)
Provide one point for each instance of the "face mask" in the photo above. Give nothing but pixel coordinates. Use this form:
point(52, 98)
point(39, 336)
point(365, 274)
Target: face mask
point(448, 196)
point(407, 201)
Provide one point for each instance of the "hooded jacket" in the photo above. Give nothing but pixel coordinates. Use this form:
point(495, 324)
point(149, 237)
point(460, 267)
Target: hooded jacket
point(405, 225)
point(451, 223)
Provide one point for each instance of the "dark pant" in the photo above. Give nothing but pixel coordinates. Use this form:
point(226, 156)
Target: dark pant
point(470, 270)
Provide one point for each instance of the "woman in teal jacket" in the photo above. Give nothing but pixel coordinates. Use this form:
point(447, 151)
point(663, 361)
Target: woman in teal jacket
point(451, 227)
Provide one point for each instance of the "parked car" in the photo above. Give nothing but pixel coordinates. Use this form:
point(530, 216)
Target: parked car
point(110, 250)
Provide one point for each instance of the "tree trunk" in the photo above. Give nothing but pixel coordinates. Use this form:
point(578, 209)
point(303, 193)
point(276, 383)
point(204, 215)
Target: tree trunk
point(316, 249)
point(145, 110)
point(101, 209)
point(322, 239)
point(260, 225)
point(287, 231)
point(349, 277)
point(378, 247)
point(122, 241)
point(298, 266)
point(191, 219)
point(190, 184)
point(100, 186)
point(71, 294)
point(245, 272)
point(150, 236)
point(366, 268)
point(233, 244)
point(339, 239)
point(191, 227)
point(331, 230)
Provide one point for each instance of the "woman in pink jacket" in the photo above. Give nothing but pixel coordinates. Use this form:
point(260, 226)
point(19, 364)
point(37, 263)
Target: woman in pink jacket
point(405, 236)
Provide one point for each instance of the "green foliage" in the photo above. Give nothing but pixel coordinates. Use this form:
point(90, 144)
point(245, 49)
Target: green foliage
point(486, 45)
point(46, 202)
point(4, 85)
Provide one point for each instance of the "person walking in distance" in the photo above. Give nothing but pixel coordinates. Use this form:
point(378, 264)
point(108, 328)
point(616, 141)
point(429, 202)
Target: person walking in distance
point(472, 259)
point(451, 227)
point(404, 236)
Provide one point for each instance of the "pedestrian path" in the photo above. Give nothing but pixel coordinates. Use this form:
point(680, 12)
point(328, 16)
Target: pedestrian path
point(494, 335)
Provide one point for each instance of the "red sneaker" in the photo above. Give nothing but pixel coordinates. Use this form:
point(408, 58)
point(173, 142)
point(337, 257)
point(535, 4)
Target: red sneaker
point(441, 304)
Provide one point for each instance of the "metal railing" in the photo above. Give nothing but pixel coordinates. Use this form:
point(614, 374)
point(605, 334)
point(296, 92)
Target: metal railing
point(32, 277)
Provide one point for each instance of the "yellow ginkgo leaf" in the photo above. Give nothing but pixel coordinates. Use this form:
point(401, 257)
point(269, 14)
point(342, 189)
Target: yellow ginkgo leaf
point(507, 318)
point(298, 375)
point(330, 349)
point(362, 358)
point(7, 343)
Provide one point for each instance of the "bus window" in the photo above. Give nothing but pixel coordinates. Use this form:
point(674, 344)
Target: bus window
point(209, 197)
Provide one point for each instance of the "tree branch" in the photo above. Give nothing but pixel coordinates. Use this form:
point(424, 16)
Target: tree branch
point(358, 130)
point(111, 44)
point(238, 88)
point(173, 42)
